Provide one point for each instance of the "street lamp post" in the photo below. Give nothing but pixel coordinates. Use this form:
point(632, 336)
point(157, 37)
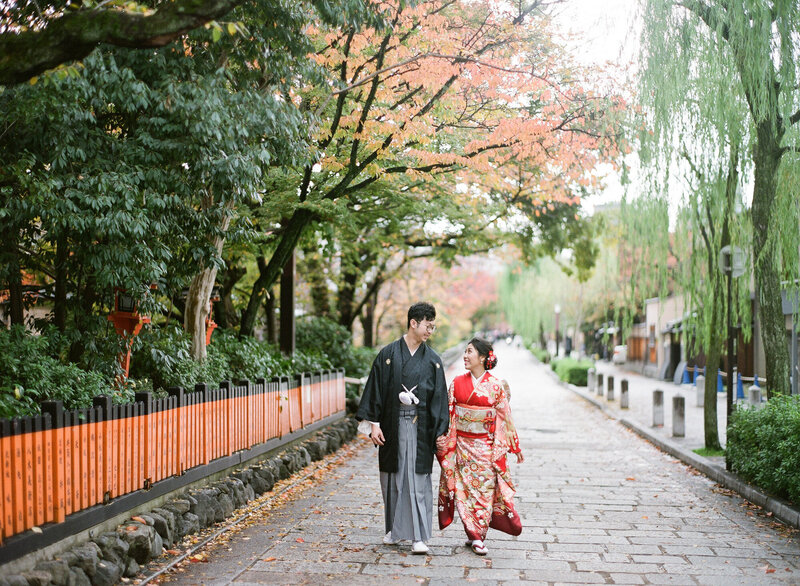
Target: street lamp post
point(557, 310)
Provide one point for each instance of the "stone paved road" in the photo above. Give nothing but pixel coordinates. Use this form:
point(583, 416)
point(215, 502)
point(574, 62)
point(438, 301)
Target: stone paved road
point(599, 505)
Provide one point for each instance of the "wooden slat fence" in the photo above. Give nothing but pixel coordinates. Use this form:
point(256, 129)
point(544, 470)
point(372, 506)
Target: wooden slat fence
point(62, 462)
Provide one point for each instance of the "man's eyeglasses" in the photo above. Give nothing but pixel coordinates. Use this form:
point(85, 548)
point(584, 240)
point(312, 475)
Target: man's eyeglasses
point(430, 327)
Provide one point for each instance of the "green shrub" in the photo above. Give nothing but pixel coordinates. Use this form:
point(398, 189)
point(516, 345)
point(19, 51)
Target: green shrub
point(578, 375)
point(29, 373)
point(541, 354)
point(572, 371)
point(763, 446)
point(32, 370)
point(163, 356)
point(323, 336)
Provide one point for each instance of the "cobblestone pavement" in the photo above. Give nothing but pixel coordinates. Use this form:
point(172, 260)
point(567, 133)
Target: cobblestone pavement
point(599, 506)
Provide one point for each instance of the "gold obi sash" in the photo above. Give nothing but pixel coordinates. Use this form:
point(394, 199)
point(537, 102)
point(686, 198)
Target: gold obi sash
point(474, 420)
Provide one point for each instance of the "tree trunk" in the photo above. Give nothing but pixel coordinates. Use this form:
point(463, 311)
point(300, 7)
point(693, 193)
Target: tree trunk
point(368, 320)
point(768, 282)
point(714, 351)
point(346, 301)
point(197, 310)
point(60, 302)
point(315, 274)
point(224, 312)
point(85, 304)
point(16, 305)
point(272, 325)
point(710, 418)
point(198, 300)
point(287, 319)
point(270, 273)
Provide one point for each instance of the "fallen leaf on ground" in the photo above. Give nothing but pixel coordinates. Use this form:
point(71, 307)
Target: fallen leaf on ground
point(269, 559)
point(300, 540)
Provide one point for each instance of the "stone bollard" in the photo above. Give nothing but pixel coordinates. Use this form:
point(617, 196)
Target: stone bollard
point(623, 393)
point(610, 395)
point(599, 387)
point(678, 416)
point(701, 390)
point(754, 397)
point(591, 379)
point(658, 408)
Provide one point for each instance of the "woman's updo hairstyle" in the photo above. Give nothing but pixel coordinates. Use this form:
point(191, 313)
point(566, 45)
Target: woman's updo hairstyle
point(484, 348)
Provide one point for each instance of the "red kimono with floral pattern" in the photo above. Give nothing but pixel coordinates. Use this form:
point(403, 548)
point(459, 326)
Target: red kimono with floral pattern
point(475, 479)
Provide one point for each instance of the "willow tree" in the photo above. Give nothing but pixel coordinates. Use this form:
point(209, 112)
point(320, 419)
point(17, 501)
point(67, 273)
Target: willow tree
point(739, 60)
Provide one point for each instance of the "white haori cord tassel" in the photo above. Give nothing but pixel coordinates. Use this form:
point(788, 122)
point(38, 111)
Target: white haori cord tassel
point(407, 396)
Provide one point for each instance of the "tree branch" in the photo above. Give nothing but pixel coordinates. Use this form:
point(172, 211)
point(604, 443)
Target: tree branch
point(73, 36)
point(708, 15)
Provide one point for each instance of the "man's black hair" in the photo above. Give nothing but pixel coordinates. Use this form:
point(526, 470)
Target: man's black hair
point(421, 311)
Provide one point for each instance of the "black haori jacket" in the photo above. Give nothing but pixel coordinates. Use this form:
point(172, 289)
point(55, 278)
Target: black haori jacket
point(380, 403)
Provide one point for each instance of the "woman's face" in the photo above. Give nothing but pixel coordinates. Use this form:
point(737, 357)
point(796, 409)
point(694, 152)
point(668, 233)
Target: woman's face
point(472, 359)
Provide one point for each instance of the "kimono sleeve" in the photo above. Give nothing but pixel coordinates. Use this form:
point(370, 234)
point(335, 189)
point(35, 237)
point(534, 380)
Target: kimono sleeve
point(508, 432)
point(440, 411)
point(370, 407)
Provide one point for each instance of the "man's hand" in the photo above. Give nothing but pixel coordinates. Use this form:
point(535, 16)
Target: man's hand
point(377, 435)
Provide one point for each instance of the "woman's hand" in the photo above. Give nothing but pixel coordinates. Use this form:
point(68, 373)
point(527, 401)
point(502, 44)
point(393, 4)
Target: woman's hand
point(520, 458)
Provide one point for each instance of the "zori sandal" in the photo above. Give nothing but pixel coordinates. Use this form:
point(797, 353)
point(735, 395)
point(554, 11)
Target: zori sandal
point(479, 548)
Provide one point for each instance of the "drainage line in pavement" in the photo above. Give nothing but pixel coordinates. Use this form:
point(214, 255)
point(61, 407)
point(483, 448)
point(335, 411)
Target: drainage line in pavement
point(226, 528)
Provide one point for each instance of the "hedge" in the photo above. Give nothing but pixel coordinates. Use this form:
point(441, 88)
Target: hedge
point(572, 371)
point(763, 446)
point(542, 354)
point(34, 368)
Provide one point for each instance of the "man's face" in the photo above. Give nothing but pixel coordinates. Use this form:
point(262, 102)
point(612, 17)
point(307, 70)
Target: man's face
point(423, 329)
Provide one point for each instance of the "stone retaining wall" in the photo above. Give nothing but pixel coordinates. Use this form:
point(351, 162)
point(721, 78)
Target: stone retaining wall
point(115, 554)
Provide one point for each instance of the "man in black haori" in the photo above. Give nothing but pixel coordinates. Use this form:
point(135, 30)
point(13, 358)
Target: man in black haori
point(403, 410)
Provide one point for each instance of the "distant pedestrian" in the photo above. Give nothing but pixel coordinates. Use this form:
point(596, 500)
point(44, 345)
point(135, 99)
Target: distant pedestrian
point(404, 411)
point(475, 480)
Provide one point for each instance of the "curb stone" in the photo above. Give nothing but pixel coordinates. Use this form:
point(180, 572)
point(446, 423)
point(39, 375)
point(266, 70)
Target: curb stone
point(780, 509)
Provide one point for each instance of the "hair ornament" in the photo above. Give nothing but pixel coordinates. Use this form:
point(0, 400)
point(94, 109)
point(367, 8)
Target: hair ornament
point(491, 360)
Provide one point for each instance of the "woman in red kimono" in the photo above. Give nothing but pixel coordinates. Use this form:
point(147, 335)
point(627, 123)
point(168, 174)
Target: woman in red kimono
point(475, 479)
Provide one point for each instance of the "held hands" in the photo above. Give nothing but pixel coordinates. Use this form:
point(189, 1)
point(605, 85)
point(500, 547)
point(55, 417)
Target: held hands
point(377, 435)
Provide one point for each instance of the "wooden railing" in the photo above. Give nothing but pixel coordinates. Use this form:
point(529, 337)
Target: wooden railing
point(62, 462)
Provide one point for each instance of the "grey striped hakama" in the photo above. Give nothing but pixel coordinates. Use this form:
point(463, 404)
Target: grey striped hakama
point(407, 496)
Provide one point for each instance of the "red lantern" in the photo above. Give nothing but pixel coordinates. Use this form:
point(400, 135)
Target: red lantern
point(127, 322)
point(211, 325)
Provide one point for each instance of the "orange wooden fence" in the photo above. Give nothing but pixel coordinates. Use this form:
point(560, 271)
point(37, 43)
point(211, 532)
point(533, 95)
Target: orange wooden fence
point(60, 462)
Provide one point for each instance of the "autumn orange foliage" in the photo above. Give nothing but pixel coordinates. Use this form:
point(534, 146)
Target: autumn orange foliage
point(473, 87)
